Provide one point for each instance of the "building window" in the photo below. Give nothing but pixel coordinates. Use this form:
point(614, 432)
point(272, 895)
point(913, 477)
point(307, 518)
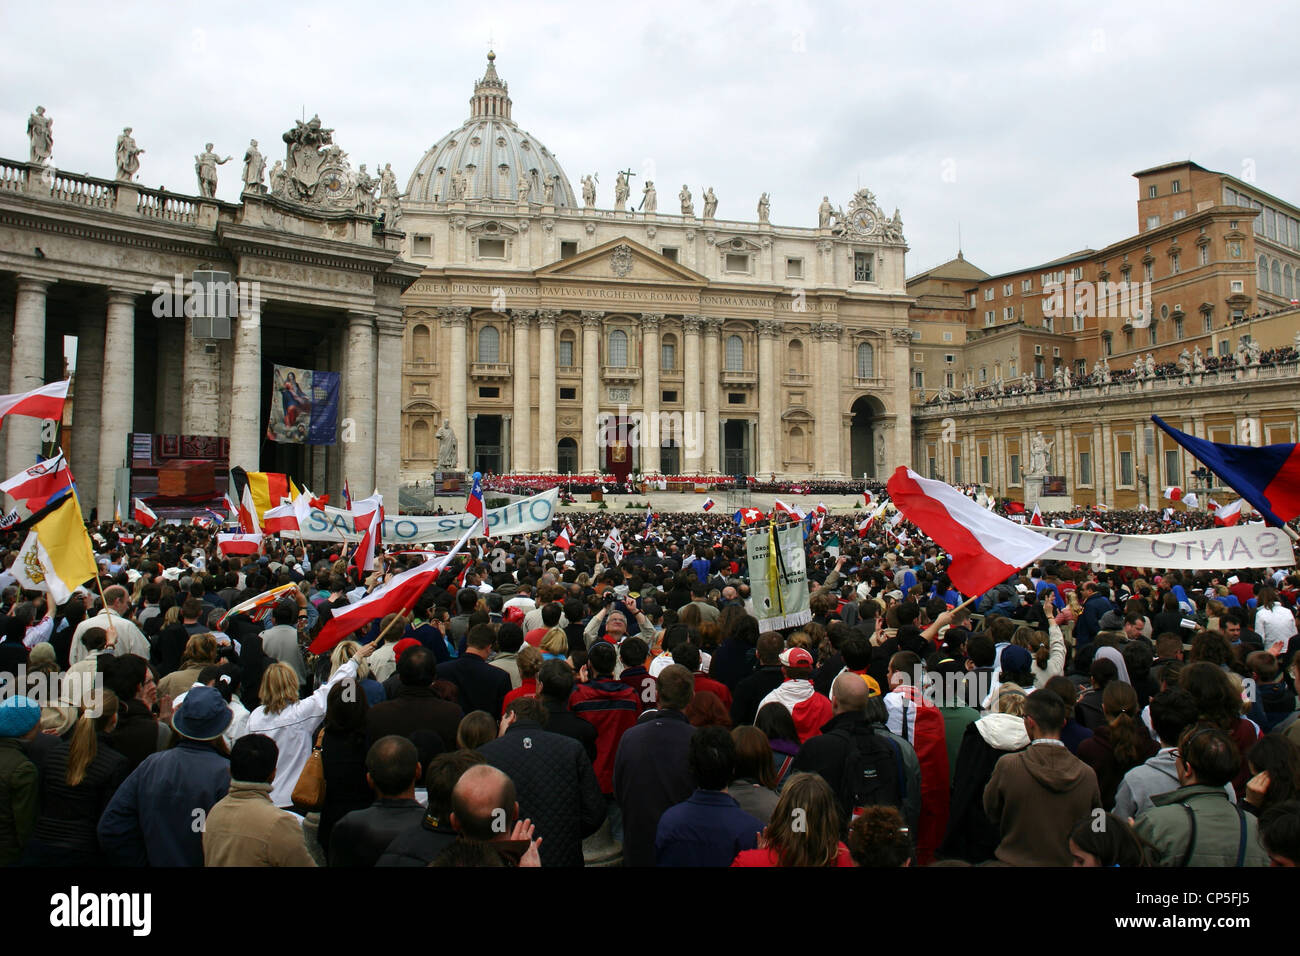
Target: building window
point(670, 398)
point(1126, 468)
point(1026, 285)
point(1180, 213)
point(956, 467)
point(1153, 334)
point(566, 352)
point(1178, 327)
point(1049, 323)
point(568, 248)
point(949, 379)
point(1263, 274)
point(1149, 271)
point(1209, 321)
point(1153, 222)
point(737, 262)
point(984, 469)
point(949, 357)
point(988, 294)
point(1174, 261)
point(934, 472)
point(1176, 186)
point(489, 344)
point(1203, 255)
point(1275, 281)
point(1013, 464)
point(1225, 347)
point(947, 336)
point(1006, 288)
point(1085, 467)
point(735, 398)
point(491, 248)
point(862, 267)
point(422, 246)
point(618, 348)
point(972, 299)
point(1288, 290)
point(668, 252)
point(866, 361)
point(1108, 341)
point(794, 268)
point(1153, 192)
point(918, 379)
point(1078, 323)
point(1237, 316)
point(1009, 312)
point(1126, 274)
point(668, 354)
point(568, 394)
point(1173, 472)
point(735, 353)
point(984, 374)
point(989, 318)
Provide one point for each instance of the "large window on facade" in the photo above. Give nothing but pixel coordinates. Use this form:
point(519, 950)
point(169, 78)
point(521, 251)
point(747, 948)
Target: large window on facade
point(735, 353)
point(489, 344)
point(618, 348)
point(866, 360)
point(862, 267)
point(668, 354)
point(1085, 467)
point(1126, 468)
point(566, 351)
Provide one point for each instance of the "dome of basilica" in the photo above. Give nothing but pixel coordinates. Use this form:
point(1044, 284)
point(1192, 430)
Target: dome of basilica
point(490, 158)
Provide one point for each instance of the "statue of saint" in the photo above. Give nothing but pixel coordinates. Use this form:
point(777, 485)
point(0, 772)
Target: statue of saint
point(649, 198)
point(548, 191)
point(1040, 454)
point(254, 167)
point(710, 203)
point(688, 205)
point(1185, 362)
point(1065, 378)
point(621, 192)
point(764, 208)
point(40, 131)
point(1057, 377)
point(447, 454)
point(1150, 366)
point(1253, 352)
point(364, 191)
point(128, 156)
point(1198, 360)
point(278, 178)
point(205, 165)
point(523, 188)
point(824, 212)
point(588, 191)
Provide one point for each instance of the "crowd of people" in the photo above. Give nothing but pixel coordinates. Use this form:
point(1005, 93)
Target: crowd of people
point(536, 704)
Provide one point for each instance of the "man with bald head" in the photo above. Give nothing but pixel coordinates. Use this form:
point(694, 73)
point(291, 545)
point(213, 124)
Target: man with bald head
point(862, 761)
point(484, 809)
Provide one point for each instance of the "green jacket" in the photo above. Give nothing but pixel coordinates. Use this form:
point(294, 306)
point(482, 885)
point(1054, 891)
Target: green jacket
point(18, 800)
point(1167, 827)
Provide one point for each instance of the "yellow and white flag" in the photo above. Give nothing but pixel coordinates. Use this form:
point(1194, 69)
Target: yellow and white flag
point(57, 555)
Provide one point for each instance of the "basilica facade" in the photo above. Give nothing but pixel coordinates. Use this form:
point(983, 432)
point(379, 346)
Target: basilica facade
point(549, 332)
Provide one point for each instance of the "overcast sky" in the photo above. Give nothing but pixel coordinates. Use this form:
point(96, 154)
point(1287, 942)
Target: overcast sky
point(1021, 122)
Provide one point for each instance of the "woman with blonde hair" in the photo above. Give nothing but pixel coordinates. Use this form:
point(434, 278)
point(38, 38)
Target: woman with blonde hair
point(804, 829)
point(290, 722)
point(200, 652)
point(554, 645)
point(78, 780)
point(343, 653)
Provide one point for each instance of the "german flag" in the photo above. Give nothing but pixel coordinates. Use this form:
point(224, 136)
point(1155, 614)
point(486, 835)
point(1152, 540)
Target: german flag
point(266, 487)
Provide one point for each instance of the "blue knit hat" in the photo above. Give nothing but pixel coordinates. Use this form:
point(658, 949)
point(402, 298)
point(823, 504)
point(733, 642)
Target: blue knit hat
point(18, 715)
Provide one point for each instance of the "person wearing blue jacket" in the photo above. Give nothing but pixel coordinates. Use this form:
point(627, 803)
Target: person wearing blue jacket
point(157, 815)
point(1096, 604)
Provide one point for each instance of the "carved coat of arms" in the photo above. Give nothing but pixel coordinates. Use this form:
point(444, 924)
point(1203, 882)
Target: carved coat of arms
point(620, 261)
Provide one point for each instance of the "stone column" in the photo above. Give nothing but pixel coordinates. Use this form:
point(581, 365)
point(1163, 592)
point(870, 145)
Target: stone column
point(712, 386)
point(521, 433)
point(902, 450)
point(507, 456)
point(591, 326)
point(6, 339)
point(388, 393)
point(650, 396)
point(26, 371)
point(829, 373)
point(470, 422)
point(84, 457)
point(201, 400)
point(359, 404)
point(995, 463)
point(455, 319)
point(169, 394)
point(246, 424)
point(1106, 478)
point(769, 410)
point(117, 409)
point(546, 394)
point(1065, 448)
point(693, 437)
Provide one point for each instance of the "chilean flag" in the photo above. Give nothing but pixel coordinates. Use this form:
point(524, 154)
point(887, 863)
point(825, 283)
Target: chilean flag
point(1036, 519)
point(985, 547)
point(142, 514)
point(474, 504)
point(1228, 515)
point(44, 402)
point(1267, 477)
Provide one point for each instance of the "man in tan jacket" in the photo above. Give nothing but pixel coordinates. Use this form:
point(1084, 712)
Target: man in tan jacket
point(245, 828)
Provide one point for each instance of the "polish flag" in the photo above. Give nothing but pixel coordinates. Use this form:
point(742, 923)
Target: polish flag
point(363, 559)
point(867, 498)
point(280, 519)
point(247, 513)
point(396, 597)
point(40, 483)
point(347, 496)
point(44, 402)
point(1095, 526)
point(1174, 493)
point(985, 547)
point(230, 544)
point(1212, 506)
point(1036, 519)
point(821, 509)
point(788, 510)
point(1228, 515)
point(564, 540)
point(142, 514)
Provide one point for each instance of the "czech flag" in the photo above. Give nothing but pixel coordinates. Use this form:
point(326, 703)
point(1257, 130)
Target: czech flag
point(44, 402)
point(1267, 477)
point(140, 511)
point(985, 547)
point(708, 504)
point(1229, 515)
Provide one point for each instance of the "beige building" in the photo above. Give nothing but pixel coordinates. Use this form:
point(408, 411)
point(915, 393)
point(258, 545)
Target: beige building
point(544, 316)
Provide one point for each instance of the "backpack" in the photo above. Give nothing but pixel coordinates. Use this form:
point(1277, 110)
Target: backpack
point(873, 773)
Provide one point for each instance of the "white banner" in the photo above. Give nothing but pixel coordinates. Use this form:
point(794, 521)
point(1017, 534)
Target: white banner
point(1248, 546)
point(524, 516)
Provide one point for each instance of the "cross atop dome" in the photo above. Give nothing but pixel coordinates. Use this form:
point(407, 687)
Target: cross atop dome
point(490, 97)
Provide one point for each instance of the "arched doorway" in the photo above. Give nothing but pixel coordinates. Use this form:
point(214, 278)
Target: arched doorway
point(566, 456)
point(488, 452)
point(863, 439)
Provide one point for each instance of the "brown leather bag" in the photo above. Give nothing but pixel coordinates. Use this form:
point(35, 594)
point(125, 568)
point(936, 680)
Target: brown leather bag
point(309, 791)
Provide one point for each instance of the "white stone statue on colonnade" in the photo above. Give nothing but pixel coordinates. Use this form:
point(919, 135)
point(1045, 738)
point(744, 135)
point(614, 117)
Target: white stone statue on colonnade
point(40, 131)
point(764, 208)
point(710, 203)
point(649, 198)
point(621, 192)
point(205, 167)
point(688, 204)
point(1040, 454)
point(254, 167)
point(589, 190)
point(128, 156)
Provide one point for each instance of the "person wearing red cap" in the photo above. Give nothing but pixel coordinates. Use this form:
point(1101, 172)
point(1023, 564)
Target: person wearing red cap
point(796, 694)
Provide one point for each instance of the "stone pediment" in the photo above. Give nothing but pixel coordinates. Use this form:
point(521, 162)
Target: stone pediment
point(621, 260)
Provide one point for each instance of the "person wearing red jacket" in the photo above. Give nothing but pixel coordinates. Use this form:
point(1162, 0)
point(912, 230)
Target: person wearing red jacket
point(920, 722)
point(688, 655)
point(796, 694)
point(611, 707)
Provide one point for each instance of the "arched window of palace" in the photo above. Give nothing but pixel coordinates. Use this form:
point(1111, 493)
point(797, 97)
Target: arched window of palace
point(735, 353)
point(618, 348)
point(489, 344)
point(866, 360)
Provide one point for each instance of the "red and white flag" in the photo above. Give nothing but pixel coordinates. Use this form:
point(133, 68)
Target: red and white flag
point(708, 503)
point(1036, 519)
point(396, 597)
point(867, 498)
point(747, 516)
point(985, 548)
point(363, 559)
point(1190, 501)
point(1228, 515)
point(280, 519)
point(564, 540)
point(1211, 505)
point(247, 513)
point(1074, 522)
point(40, 483)
point(142, 514)
point(44, 402)
point(790, 511)
point(1174, 493)
point(231, 544)
point(821, 509)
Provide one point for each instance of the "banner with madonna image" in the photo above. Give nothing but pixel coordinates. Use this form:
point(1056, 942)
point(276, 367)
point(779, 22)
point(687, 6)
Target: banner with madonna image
point(304, 406)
